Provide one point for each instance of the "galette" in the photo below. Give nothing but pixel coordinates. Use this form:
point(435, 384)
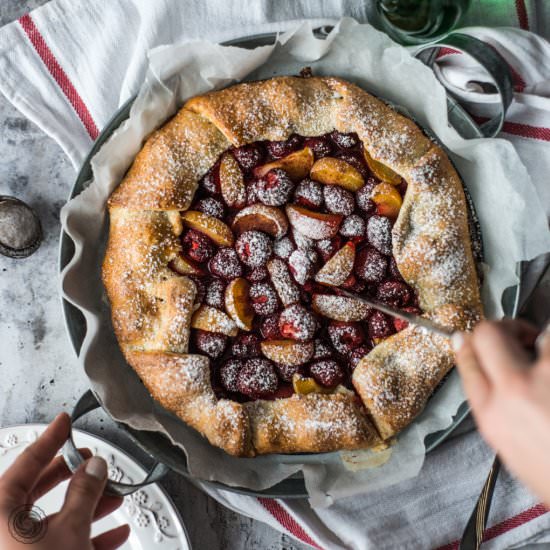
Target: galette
point(232, 236)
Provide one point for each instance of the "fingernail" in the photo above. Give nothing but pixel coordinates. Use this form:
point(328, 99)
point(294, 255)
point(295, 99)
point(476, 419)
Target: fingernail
point(457, 339)
point(542, 338)
point(96, 467)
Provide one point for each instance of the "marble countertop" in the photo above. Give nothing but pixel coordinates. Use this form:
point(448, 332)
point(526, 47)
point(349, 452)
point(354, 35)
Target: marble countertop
point(38, 368)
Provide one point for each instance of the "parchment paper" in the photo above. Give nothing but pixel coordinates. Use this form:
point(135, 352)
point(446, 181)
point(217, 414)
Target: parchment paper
point(513, 227)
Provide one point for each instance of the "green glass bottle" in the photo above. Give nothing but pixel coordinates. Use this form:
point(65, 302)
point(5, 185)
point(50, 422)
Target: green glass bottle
point(420, 21)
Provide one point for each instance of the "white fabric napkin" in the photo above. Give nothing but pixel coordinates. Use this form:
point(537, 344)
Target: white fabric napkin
point(69, 65)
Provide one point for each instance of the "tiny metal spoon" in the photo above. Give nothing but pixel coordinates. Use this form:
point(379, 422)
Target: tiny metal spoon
point(20, 229)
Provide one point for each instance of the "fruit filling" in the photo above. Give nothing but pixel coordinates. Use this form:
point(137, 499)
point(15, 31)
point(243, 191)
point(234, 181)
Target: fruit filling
point(275, 231)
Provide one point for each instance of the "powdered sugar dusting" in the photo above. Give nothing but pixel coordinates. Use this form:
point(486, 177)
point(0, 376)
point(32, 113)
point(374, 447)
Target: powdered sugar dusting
point(302, 241)
point(391, 138)
point(264, 298)
point(353, 226)
point(316, 227)
point(257, 378)
point(301, 263)
point(212, 207)
point(297, 323)
point(340, 308)
point(329, 422)
point(395, 381)
point(287, 289)
point(254, 248)
point(177, 156)
point(379, 234)
point(338, 268)
point(338, 200)
point(179, 316)
point(215, 293)
point(184, 374)
point(283, 248)
point(213, 320)
point(433, 236)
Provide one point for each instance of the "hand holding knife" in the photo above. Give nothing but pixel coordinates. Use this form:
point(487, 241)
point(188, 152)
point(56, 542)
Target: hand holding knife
point(475, 527)
point(455, 335)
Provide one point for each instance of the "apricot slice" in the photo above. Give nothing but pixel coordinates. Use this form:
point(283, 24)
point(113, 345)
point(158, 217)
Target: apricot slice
point(315, 225)
point(213, 320)
point(269, 219)
point(288, 352)
point(339, 267)
point(212, 227)
point(237, 303)
point(303, 385)
point(297, 165)
point(333, 171)
point(183, 266)
point(340, 308)
point(232, 185)
point(381, 171)
point(387, 199)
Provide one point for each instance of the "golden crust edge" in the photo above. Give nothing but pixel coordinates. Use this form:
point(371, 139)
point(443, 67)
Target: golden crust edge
point(301, 423)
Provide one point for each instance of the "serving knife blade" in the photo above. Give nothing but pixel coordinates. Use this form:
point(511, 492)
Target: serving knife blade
point(400, 314)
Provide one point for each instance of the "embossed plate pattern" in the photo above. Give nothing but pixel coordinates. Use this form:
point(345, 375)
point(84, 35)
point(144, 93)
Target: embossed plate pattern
point(154, 521)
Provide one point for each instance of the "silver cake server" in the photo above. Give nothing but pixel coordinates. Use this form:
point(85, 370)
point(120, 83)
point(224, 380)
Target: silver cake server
point(400, 314)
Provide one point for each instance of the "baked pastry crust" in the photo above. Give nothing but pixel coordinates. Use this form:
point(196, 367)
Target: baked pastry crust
point(152, 305)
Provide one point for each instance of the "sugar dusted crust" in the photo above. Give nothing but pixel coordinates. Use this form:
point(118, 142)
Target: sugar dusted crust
point(152, 305)
point(165, 172)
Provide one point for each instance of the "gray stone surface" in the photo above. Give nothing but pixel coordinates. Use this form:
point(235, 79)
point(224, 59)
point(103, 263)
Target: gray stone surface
point(39, 374)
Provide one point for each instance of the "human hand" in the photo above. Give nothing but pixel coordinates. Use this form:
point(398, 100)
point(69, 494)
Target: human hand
point(35, 472)
point(510, 396)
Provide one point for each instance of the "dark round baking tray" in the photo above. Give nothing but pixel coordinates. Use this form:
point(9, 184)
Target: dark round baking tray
point(155, 444)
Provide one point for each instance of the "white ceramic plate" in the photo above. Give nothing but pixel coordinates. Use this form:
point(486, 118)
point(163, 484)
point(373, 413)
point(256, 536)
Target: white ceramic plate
point(155, 523)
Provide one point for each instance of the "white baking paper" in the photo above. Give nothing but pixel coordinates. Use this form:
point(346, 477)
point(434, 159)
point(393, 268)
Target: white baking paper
point(513, 227)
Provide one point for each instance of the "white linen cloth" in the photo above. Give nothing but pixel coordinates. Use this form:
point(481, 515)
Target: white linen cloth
point(69, 65)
